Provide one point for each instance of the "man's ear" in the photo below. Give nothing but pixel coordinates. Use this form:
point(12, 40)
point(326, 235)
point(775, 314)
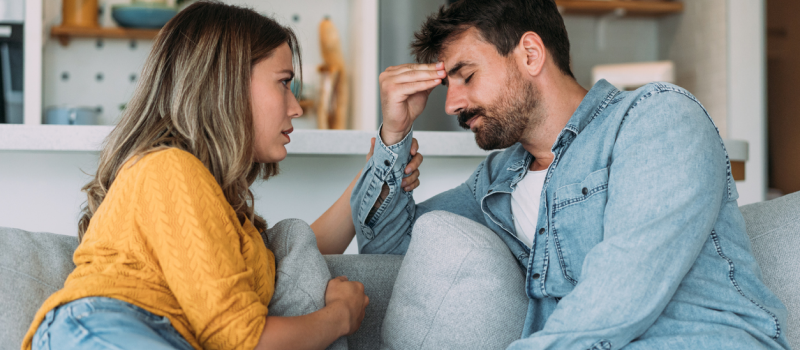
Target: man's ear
point(531, 53)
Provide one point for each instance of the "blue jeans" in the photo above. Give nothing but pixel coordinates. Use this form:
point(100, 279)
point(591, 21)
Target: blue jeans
point(106, 323)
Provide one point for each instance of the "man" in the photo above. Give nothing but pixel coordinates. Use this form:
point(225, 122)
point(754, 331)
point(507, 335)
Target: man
point(619, 207)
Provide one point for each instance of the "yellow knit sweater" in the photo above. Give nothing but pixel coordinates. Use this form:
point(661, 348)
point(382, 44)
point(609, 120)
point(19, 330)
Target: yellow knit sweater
point(165, 239)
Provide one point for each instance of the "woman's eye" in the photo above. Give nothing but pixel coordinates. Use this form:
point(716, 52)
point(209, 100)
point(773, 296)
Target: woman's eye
point(468, 78)
point(286, 82)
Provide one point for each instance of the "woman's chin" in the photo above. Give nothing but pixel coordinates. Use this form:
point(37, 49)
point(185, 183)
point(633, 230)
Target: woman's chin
point(276, 155)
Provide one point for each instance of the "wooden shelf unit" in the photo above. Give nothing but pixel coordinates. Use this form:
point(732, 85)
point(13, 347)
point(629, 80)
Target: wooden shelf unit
point(626, 8)
point(65, 33)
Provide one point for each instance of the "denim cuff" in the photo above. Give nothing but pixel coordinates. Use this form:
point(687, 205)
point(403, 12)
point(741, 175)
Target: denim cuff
point(388, 165)
point(393, 159)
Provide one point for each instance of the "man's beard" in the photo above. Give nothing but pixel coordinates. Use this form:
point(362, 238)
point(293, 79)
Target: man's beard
point(506, 121)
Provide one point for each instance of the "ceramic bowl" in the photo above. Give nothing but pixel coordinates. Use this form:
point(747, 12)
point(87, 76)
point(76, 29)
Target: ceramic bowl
point(142, 15)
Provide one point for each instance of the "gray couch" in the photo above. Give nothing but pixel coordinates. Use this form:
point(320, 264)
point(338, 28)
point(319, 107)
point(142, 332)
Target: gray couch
point(34, 265)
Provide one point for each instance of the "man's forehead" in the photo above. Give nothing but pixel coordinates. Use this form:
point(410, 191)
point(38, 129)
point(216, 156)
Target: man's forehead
point(466, 46)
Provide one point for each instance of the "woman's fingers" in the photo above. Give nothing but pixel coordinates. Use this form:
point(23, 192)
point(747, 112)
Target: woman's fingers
point(414, 146)
point(411, 181)
point(372, 148)
point(414, 164)
point(412, 186)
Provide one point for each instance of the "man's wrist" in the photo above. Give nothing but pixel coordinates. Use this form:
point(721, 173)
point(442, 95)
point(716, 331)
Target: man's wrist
point(391, 138)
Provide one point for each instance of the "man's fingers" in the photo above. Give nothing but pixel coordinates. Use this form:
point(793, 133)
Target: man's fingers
point(409, 89)
point(417, 75)
point(412, 66)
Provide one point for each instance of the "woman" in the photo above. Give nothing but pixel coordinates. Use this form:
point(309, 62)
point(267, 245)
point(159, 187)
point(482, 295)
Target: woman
point(172, 253)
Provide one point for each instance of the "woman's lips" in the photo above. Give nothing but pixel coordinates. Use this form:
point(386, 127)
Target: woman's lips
point(287, 132)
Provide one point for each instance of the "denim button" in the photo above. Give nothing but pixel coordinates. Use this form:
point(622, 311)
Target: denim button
point(536, 276)
point(585, 191)
point(386, 163)
point(541, 231)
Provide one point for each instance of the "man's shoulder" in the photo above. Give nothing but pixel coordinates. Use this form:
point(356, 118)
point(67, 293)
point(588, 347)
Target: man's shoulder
point(656, 93)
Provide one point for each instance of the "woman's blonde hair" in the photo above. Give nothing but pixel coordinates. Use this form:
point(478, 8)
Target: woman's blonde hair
point(194, 94)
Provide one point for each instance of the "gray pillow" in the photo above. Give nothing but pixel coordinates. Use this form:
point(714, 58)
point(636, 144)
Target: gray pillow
point(459, 287)
point(32, 267)
point(774, 229)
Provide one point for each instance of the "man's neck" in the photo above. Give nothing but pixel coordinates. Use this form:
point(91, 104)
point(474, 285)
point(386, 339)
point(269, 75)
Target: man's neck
point(560, 96)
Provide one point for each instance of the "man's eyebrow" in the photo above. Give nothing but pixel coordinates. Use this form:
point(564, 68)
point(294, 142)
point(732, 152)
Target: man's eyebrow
point(457, 67)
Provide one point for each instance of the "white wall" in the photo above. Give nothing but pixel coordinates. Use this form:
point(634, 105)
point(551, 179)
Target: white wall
point(747, 92)
point(40, 191)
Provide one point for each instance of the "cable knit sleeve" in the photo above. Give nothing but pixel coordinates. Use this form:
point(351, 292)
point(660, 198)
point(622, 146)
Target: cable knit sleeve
point(198, 243)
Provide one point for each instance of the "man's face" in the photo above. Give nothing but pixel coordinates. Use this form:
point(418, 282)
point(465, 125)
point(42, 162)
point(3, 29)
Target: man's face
point(488, 92)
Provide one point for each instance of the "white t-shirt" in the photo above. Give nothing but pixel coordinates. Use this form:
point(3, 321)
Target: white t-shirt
point(525, 205)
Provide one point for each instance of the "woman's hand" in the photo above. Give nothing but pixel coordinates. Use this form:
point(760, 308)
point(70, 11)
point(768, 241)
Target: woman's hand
point(349, 297)
point(411, 181)
point(345, 306)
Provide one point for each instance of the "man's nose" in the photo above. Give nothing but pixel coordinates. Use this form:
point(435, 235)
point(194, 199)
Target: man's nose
point(456, 100)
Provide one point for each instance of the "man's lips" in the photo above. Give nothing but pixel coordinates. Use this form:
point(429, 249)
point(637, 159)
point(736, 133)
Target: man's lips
point(472, 121)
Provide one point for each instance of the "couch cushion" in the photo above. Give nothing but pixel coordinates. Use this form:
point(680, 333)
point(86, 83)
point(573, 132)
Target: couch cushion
point(774, 229)
point(32, 266)
point(377, 273)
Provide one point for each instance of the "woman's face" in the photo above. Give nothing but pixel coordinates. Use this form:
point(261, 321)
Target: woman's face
point(273, 105)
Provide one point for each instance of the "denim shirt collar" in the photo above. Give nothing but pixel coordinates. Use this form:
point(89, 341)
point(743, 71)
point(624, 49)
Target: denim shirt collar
point(595, 101)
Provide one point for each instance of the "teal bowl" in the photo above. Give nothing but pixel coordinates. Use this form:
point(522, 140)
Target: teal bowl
point(149, 16)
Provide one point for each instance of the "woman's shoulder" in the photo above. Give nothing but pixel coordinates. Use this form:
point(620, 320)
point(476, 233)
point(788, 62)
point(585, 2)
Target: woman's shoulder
point(167, 163)
point(167, 159)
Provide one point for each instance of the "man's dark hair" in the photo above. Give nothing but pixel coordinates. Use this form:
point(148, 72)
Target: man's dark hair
point(500, 22)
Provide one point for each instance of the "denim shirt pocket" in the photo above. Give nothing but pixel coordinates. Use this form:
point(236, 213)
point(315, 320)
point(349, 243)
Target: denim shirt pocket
point(578, 221)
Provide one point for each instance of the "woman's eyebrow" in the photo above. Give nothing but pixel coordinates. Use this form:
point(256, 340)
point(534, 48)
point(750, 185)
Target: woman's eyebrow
point(287, 71)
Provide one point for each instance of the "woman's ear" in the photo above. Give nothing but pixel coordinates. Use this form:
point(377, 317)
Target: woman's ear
point(532, 53)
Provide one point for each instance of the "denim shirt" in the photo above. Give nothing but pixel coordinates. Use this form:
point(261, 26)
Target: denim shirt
point(638, 219)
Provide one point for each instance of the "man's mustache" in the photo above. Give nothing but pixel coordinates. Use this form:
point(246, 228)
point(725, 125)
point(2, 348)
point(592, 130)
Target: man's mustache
point(468, 114)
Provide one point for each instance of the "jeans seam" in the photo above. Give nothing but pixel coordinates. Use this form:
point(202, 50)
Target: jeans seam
point(731, 273)
point(93, 337)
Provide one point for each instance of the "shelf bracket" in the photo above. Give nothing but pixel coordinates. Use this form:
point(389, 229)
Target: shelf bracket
point(602, 26)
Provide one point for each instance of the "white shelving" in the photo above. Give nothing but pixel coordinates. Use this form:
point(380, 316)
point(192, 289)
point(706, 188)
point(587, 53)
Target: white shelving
point(73, 138)
point(328, 142)
point(356, 20)
point(33, 33)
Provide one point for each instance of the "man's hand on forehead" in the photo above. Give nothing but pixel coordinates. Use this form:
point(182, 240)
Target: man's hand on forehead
point(404, 93)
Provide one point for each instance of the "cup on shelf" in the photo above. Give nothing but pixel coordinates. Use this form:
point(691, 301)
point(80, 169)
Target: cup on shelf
point(79, 13)
point(68, 115)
